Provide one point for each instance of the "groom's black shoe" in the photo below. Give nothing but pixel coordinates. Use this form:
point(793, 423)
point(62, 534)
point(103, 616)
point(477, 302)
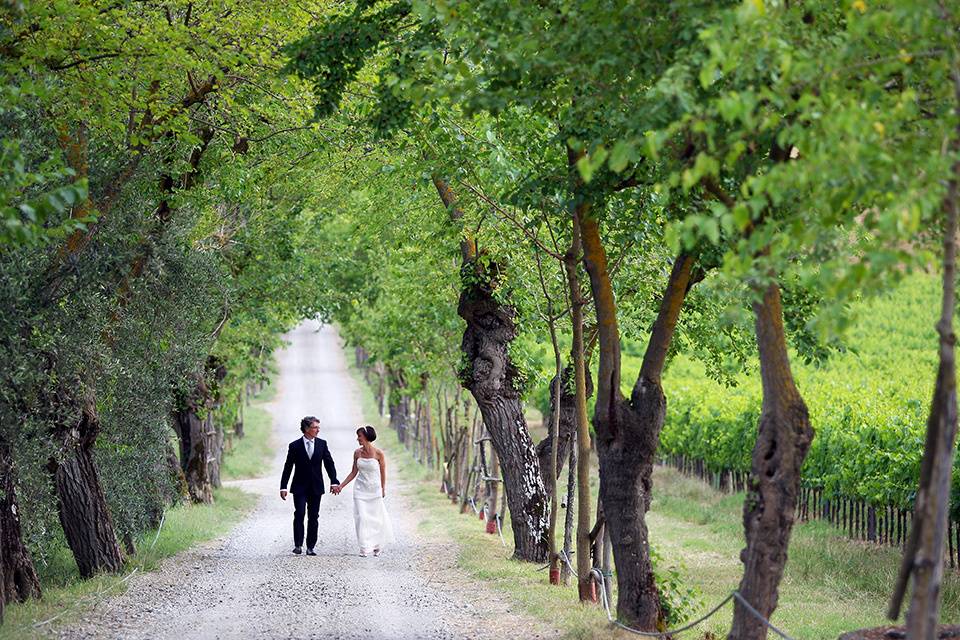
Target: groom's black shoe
point(311, 552)
point(297, 550)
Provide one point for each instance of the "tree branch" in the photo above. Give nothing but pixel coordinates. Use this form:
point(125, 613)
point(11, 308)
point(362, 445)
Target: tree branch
point(510, 217)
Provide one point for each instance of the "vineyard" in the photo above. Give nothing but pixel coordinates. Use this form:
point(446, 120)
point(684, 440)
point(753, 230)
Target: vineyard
point(867, 405)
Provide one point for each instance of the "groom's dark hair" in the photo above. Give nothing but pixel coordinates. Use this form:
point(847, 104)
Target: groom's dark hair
point(368, 432)
point(306, 422)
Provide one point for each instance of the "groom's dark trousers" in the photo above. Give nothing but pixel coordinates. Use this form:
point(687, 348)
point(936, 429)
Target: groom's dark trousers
point(308, 503)
point(307, 485)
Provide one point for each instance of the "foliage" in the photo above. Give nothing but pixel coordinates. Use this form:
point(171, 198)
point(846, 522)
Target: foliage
point(145, 143)
point(678, 598)
point(869, 413)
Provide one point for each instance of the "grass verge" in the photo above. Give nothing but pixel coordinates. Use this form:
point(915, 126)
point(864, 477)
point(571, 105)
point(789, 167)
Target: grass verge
point(66, 596)
point(250, 456)
point(831, 584)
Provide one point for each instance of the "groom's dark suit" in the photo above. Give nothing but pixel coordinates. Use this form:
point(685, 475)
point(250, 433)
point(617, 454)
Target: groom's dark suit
point(307, 485)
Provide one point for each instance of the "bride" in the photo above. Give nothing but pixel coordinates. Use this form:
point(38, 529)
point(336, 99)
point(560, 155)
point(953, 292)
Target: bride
point(374, 530)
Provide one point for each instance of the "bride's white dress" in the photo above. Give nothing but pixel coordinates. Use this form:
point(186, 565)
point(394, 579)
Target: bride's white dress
point(374, 529)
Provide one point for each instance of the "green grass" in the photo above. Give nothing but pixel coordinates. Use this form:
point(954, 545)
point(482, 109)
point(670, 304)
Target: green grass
point(831, 584)
point(66, 595)
point(250, 456)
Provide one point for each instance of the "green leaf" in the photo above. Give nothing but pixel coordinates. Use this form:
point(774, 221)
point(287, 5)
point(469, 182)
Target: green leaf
point(620, 156)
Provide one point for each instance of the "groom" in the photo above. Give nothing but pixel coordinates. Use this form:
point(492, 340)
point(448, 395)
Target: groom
point(304, 457)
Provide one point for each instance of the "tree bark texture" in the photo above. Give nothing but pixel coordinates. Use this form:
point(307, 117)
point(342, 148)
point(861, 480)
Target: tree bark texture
point(213, 431)
point(783, 438)
point(628, 432)
point(493, 490)
point(923, 557)
point(494, 382)
point(190, 423)
point(582, 389)
point(81, 502)
point(567, 427)
point(18, 577)
point(553, 461)
point(568, 517)
point(238, 422)
point(398, 404)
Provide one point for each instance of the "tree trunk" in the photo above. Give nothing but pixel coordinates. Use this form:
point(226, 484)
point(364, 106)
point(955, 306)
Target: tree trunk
point(567, 427)
point(238, 425)
point(553, 467)
point(18, 578)
point(213, 432)
point(606, 551)
point(923, 556)
point(177, 477)
point(360, 357)
point(628, 432)
point(494, 382)
point(581, 422)
point(493, 490)
point(398, 404)
point(194, 444)
point(81, 503)
point(496, 386)
point(568, 517)
point(783, 438)
point(381, 386)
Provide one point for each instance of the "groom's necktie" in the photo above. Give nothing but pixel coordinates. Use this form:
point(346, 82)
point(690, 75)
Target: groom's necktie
point(310, 449)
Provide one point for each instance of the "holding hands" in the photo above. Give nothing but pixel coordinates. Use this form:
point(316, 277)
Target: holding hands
point(335, 489)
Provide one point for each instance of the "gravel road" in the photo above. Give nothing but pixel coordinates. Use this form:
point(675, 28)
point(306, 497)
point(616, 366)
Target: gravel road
point(248, 584)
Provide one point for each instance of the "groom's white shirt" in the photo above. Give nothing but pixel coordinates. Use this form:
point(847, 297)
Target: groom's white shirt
point(308, 444)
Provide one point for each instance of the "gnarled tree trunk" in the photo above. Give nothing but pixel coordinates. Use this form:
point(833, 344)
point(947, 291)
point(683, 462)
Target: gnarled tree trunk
point(81, 503)
point(628, 432)
point(18, 578)
point(783, 438)
point(189, 421)
point(493, 380)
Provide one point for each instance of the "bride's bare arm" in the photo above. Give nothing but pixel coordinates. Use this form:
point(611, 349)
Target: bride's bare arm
point(353, 472)
point(383, 473)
